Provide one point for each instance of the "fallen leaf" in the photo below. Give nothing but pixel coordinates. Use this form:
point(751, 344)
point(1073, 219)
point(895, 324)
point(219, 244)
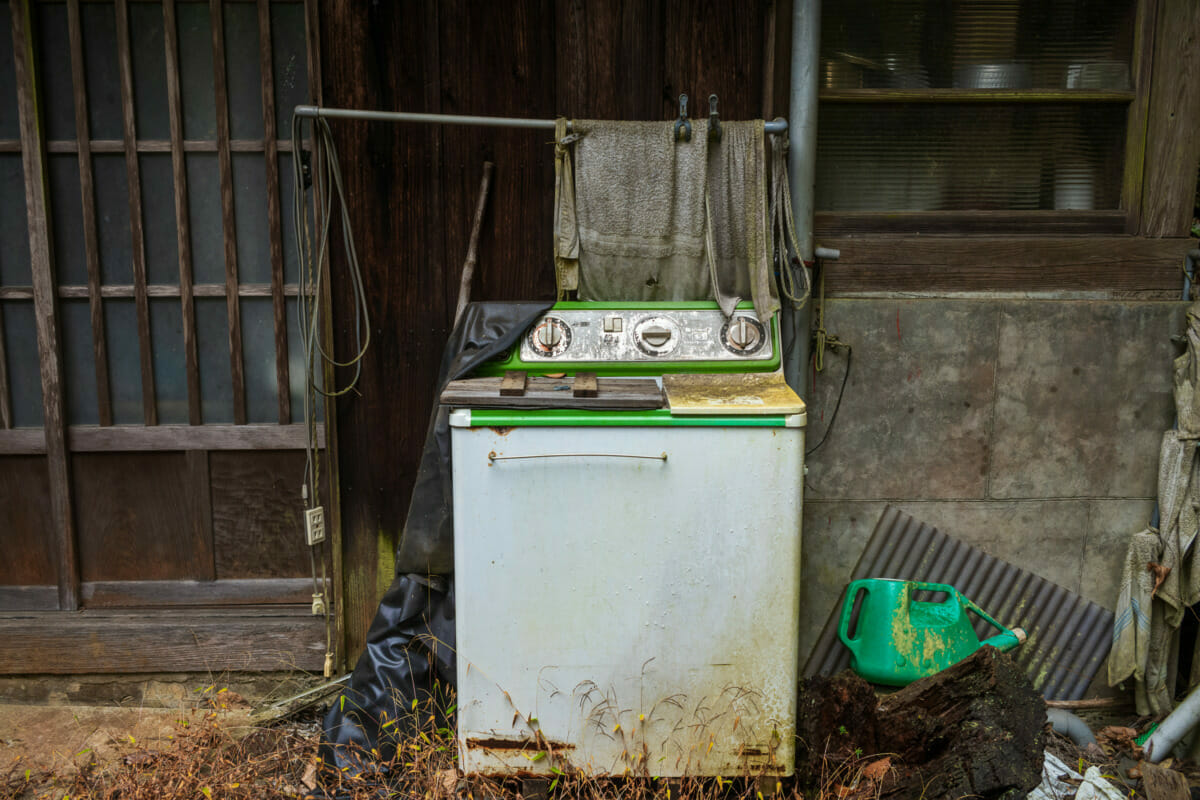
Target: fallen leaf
point(1117, 737)
point(309, 778)
point(141, 759)
point(877, 769)
point(447, 780)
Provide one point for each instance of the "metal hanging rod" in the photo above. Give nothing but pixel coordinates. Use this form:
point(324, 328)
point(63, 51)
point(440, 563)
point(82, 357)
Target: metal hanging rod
point(315, 112)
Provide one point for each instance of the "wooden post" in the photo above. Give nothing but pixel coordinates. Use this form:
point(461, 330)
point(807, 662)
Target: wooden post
point(182, 221)
point(274, 212)
point(91, 239)
point(1172, 146)
point(228, 221)
point(1135, 125)
point(5, 403)
point(37, 204)
point(134, 181)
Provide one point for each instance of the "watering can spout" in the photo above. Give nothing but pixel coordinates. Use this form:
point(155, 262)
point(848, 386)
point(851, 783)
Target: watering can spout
point(1007, 640)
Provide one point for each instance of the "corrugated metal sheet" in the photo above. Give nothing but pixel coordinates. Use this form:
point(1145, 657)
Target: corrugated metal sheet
point(1069, 637)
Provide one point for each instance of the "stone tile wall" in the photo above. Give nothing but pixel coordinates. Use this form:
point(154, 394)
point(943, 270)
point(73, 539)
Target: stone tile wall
point(1028, 428)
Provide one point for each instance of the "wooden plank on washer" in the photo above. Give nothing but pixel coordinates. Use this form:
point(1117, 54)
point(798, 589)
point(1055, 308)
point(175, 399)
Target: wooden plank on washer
point(133, 178)
point(252, 638)
point(183, 240)
point(91, 240)
point(228, 222)
point(274, 225)
point(33, 161)
point(611, 393)
point(513, 383)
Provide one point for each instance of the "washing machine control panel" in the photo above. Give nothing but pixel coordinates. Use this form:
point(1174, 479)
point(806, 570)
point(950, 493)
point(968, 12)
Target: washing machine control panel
point(606, 335)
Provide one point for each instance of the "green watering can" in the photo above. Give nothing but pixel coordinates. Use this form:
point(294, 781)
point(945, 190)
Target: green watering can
point(898, 639)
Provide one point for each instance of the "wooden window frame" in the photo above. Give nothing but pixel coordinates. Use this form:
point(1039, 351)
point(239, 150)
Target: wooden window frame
point(1125, 219)
point(1133, 252)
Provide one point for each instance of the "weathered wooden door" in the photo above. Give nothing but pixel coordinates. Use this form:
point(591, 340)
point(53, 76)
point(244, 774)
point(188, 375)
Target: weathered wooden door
point(151, 374)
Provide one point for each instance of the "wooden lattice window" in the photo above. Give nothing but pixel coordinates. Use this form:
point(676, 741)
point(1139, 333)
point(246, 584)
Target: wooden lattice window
point(168, 163)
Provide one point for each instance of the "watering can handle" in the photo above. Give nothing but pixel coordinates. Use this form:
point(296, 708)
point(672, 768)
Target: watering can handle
point(847, 610)
point(952, 594)
point(1005, 640)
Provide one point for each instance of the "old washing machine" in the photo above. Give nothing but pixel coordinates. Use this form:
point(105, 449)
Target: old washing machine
point(628, 597)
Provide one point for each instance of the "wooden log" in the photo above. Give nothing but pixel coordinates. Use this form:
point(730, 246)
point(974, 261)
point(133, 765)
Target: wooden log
point(976, 729)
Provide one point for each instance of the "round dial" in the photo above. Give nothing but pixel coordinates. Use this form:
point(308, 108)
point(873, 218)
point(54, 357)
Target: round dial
point(550, 337)
point(743, 335)
point(656, 336)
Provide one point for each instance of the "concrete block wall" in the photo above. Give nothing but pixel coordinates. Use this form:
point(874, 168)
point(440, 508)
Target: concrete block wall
point(1029, 428)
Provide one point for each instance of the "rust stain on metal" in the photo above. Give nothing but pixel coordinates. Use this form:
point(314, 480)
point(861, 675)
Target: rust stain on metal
point(1068, 637)
point(502, 430)
point(518, 745)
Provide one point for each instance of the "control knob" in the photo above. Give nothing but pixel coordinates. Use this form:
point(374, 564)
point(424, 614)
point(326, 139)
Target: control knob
point(656, 335)
point(550, 337)
point(743, 335)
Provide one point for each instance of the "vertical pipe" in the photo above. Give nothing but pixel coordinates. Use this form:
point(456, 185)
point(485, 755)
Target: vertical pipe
point(802, 158)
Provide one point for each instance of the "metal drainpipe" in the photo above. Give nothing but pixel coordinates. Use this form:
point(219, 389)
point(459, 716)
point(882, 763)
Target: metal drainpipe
point(802, 159)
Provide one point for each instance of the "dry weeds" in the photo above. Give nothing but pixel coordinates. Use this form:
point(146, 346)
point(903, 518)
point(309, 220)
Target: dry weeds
point(207, 759)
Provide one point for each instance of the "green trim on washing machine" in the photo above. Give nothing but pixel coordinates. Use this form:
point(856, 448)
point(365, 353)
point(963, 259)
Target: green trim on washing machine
point(574, 418)
point(513, 362)
point(643, 305)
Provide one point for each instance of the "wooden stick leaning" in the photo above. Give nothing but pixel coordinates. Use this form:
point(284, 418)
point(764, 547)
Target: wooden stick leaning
point(468, 272)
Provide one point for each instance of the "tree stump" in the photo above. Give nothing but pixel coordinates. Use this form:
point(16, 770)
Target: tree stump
point(975, 729)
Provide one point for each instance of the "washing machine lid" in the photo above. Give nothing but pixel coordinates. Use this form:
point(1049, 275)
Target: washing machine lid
point(731, 394)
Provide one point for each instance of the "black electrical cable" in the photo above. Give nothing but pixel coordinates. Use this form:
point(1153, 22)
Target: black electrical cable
point(838, 404)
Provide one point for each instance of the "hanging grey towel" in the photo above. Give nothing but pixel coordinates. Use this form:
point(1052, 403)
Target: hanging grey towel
point(740, 236)
point(640, 206)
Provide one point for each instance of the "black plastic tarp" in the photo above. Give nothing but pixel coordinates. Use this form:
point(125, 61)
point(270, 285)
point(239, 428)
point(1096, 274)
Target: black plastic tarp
point(409, 652)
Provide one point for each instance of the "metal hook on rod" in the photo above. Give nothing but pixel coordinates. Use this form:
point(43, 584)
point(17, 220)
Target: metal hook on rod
point(683, 127)
point(714, 121)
